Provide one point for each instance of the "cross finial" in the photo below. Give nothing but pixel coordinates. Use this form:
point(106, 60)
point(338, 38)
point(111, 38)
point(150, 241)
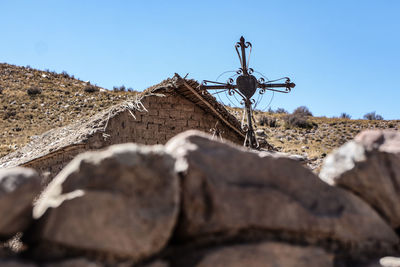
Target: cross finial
point(246, 86)
point(242, 55)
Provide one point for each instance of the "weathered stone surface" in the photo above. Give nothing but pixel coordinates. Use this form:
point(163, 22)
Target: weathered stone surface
point(122, 201)
point(390, 262)
point(385, 262)
point(78, 262)
point(158, 263)
point(267, 254)
point(15, 263)
point(227, 189)
point(260, 132)
point(369, 166)
point(18, 188)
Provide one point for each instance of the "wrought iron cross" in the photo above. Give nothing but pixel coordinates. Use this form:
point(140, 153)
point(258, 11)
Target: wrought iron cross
point(246, 86)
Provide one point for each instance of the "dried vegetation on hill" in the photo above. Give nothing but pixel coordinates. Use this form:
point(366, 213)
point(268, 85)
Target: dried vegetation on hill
point(34, 101)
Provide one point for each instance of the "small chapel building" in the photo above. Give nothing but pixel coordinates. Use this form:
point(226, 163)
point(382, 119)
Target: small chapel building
point(157, 114)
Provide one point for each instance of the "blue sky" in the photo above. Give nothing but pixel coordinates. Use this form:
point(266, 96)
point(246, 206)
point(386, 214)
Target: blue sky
point(344, 56)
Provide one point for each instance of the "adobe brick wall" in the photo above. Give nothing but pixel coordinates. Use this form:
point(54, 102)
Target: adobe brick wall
point(166, 117)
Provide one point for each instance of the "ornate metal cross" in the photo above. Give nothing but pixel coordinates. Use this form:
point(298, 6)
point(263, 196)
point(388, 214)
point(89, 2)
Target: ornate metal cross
point(246, 86)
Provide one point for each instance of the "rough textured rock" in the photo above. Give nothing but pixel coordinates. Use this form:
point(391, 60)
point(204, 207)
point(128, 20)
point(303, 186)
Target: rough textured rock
point(18, 188)
point(390, 262)
point(15, 263)
point(227, 190)
point(79, 262)
point(369, 166)
point(157, 264)
point(122, 201)
point(267, 254)
point(385, 262)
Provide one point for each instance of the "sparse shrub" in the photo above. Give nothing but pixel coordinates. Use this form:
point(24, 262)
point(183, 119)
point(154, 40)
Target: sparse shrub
point(268, 121)
point(130, 89)
point(281, 111)
point(9, 114)
point(373, 116)
point(34, 91)
point(300, 121)
point(65, 74)
point(121, 88)
point(303, 111)
point(90, 88)
point(345, 116)
point(270, 110)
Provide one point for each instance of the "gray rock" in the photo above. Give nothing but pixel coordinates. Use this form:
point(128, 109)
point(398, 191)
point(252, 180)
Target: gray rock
point(157, 263)
point(385, 262)
point(227, 189)
point(78, 262)
point(18, 188)
point(16, 263)
point(369, 166)
point(390, 262)
point(269, 254)
point(260, 132)
point(122, 201)
point(275, 154)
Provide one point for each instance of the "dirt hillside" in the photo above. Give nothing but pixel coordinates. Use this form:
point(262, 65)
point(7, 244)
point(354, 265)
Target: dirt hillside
point(34, 101)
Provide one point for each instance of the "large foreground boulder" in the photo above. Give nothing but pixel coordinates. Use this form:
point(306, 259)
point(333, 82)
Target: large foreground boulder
point(227, 190)
point(122, 202)
point(369, 166)
point(18, 188)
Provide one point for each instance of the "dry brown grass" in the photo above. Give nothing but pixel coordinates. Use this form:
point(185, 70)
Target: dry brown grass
point(62, 100)
point(317, 142)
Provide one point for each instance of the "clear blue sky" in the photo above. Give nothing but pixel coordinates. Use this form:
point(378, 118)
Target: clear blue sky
point(344, 56)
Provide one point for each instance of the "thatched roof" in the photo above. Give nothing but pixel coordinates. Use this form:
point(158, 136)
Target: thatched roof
point(78, 133)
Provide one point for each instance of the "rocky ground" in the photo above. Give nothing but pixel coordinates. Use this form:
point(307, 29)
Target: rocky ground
point(131, 205)
point(321, 136)
point(175, 206)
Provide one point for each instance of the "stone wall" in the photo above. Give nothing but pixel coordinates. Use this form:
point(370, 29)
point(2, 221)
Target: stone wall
point(184, 205)
point(165, 117)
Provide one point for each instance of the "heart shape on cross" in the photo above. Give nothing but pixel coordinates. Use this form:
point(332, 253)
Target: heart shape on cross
point(247, 85)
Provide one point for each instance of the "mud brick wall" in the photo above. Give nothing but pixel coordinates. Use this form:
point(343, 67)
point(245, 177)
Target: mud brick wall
point(166, 117)
point(50, 165)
